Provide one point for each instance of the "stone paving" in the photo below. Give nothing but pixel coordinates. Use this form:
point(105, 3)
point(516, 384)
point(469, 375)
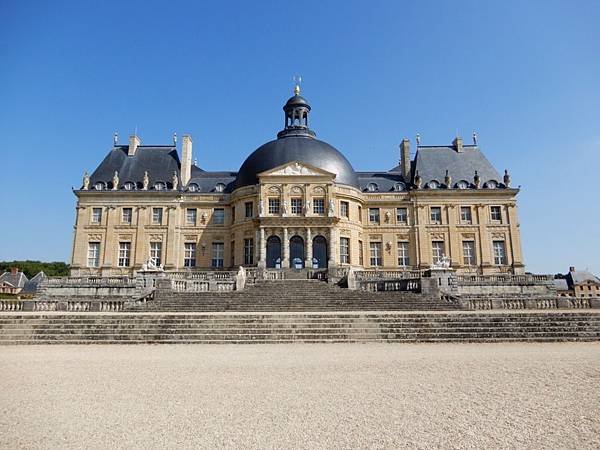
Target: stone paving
point(301, 396)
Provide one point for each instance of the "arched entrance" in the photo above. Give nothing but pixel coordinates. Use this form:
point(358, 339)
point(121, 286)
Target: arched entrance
point(296, 251)
point(273, 251)
point(320, 251)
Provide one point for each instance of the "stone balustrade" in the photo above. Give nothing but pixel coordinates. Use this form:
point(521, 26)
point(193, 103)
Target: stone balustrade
point(90, 281)
point(502, 279)
point(366, 275)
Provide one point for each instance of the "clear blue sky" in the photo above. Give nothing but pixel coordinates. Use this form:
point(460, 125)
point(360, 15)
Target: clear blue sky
point(525, 75)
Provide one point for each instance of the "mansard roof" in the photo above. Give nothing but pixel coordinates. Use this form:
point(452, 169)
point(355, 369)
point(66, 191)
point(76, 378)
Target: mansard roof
point(384, 181)
point(208, 181)
point(160, 161)
point(432, 162)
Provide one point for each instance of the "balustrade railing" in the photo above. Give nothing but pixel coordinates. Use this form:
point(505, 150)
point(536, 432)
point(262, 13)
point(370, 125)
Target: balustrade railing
point(366, 275)
point(89, 281)
point(502, 279)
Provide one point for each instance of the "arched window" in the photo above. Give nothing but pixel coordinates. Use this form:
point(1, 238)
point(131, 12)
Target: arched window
point(100, 186)
point(399, 187)
point(220, 187)
point(462, 184)
point(372, 187)
point(193, 187)
point(433, 184)
point(492, 184)
point(273, 251)
point(129, 186)
point(160, 186)
point(296, 252)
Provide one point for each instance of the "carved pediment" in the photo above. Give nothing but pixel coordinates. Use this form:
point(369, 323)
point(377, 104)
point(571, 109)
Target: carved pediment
point(296, 168)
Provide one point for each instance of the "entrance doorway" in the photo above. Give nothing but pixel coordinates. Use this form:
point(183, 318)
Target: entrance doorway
point(320, 251)
point(273, 251)
point(296, 252)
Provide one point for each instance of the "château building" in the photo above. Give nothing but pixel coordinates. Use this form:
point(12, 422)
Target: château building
point(295, 202)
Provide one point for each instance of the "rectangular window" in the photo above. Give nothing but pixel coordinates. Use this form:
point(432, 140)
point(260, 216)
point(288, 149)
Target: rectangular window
point(296, 206)
point(96, 215)
point(403, 254)
point(190, 216)
point(344, 209)
point(361, 255)
point(124, 253)
point(232, 253)
point(468, 253)
point(401, 215)
point(93, 254)
point(189, 254)
point(219, 216)
point(436, 214)
point(465, 215)
point(156, 253)
point(273, 206)
point(249, 208)
point(375, 248)
point(249, 251)
point(496, 214)
point(218, 252)
point(374, 215)
point(232, 214)
point(157, 216)
point(319, 206)
point(499, 253)
point(345, 250)
point(437, 250)
point(360, 214)
point(127, 215)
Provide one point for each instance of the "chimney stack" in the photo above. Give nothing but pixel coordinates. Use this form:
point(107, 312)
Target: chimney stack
point(186, 159)
point(405, 159)
point(458, 144)
point(14, 270)
point(134, 143)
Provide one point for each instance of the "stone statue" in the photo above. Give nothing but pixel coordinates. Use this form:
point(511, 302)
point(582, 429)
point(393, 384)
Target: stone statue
point(145, 182)
point(150, 266)
point(448, 180)
point(387, 216)
point(442, 263)
point(261, 208)
point(477, 180)
point(115, 181)
point(175, 180)
point(331, 208)
point(418, 180)
point(506, 178)
point(86, 181)
point(285, 207)
point(307, 207)
point(240, 279)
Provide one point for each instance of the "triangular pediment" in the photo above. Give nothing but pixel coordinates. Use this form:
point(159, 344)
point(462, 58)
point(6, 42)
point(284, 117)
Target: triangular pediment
point(296, 168)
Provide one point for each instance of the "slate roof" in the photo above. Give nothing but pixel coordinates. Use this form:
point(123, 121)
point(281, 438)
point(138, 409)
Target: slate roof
point(561, 284)
point(159, 161)
point(207, 181)
point(432, 162)
point(32, 285)
point(582, 276)
point(385, 181)
point(17, 280)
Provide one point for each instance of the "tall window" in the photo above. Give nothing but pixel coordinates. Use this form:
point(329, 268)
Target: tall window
point(374, 215)
point(127, 215)
point(157, 216)
point(156, 253)
point(375, 248)
point(344, 209)
point(190, 216)
point(465, 215)
point(232, 214)
point(93, 259)
point(499, 252)
point(496, 214)
point(437, 249)
point(401, 215)
point(124, 253)
point(189, 254)
point(468, 253)
point(218, 252)
point(361, 256)
point(96, 215)
point(319, 206)
point(360, 213)
point(296, 206)
point(219, 216)
point(249, 251)
point(232, 253)
point(345, 250)
point(403, 254)
point(436, 214)
point(274, 206)
point(249, 209)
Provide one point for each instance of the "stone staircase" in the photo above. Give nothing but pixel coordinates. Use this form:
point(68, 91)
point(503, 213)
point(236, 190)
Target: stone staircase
point(296, 296)
point(220, 328)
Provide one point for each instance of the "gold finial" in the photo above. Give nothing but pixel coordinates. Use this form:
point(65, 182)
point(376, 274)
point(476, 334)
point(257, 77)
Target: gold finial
point(297, 81)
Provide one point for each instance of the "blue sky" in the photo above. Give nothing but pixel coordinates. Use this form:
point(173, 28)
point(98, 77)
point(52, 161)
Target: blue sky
point(524, 75)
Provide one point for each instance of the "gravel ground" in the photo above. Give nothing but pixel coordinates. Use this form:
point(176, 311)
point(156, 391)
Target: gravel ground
point(301, 396)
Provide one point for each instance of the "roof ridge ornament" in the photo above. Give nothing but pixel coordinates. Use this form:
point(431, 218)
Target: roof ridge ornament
point(297, 82)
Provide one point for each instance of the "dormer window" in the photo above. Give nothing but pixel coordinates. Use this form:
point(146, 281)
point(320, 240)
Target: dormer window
point(462, 184)
point(372, 187)
point(433, 184)
point(129, 186)
point(492, 184)
point(100, 186)
point(160, 186)
point(398, 187)
point(220, 187)
point(193, 187)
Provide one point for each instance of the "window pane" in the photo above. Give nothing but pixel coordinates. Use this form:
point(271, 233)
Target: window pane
point(218, 252)
point(157, 214)
point(437, 248)
point(97, 215)
point(248, 251)
point(468, 253)
point(189, 254)
point(375, 250)
point(273, 206)
point(344, 250)
point(219, 216)
point(190, 216)
point(401, 215)
point(93, 254)
point(436, 214)
point(496, 213)
point(249, 209)
point(319, 206)
point(403, 254)
point(499, 252)
point(465, 214)
point(374, 215)
point(124, 252)
point(127, 215)
point(296, 206)
point(156, 253)
point(344, 209)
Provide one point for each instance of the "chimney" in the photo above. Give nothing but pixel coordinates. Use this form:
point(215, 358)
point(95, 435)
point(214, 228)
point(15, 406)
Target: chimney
point(405, 159)
point(134, 142)
point(458, 144)
point(186, 159)
point(14, 270)
point(572, 269)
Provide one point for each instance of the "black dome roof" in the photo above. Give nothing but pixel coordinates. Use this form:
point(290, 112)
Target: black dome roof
point(301, 148)
point(296, 100)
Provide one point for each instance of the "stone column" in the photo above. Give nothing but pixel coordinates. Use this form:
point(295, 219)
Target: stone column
point(286, 249)
point(263, 249)
point(308, 244)
point(108, 256)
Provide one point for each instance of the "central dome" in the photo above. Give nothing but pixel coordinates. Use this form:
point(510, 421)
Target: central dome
point(296, 142)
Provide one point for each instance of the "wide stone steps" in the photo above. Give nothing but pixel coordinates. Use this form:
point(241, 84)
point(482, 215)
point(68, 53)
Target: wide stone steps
point(279, 328)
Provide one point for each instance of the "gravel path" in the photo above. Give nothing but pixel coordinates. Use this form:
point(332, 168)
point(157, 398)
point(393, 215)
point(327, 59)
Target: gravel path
point(301, 396)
